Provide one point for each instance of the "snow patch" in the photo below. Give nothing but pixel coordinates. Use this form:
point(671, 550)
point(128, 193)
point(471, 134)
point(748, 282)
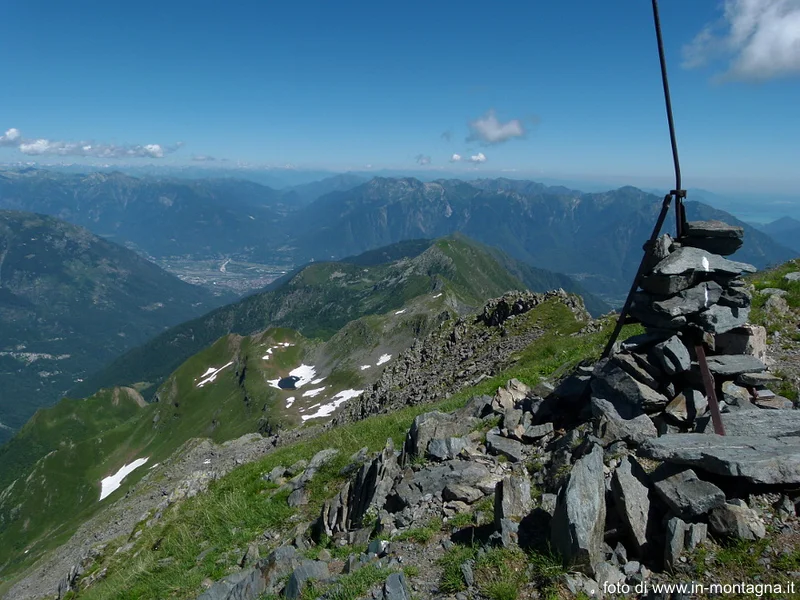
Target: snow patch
point(207, 461)
point(365, 367)
point(312, 393)
point(316, 381)
point(383, 359)
point(289, 402)
point(400, 312)
point(437, 295)
point(211, 374)
point(277, 346)
point(338, 399)
point(304, 373)
point(112, 482)
point(153, 467)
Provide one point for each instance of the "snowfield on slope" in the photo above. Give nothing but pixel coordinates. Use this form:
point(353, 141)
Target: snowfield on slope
point(337, 400)
point(211, 374)
point(112, 482)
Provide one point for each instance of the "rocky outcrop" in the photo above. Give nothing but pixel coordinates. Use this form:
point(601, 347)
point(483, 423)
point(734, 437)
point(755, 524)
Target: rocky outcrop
point(458, 355)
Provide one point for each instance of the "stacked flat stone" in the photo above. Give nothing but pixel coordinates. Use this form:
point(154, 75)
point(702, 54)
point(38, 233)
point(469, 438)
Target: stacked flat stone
point(691, 294)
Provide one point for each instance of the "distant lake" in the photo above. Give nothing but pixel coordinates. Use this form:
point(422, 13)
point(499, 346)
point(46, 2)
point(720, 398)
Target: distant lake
point(287, 383)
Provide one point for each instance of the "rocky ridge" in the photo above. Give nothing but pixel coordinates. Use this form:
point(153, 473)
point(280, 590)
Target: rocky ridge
point(457, 356)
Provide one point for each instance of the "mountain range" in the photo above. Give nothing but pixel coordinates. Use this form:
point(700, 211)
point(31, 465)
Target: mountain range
point(594, 238)
point(69, 303)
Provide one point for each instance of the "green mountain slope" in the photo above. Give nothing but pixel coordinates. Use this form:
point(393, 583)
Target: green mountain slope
point(69, 303)
point(317, 301)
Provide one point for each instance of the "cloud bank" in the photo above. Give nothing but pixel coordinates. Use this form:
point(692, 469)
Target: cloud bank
point(760, 39)
point(488, 130)
point(478, 158)
point(45, 147)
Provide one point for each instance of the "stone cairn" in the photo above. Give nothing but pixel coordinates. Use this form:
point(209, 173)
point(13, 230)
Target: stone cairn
point(691, 297)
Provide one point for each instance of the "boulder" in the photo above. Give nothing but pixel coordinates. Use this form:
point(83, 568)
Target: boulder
point(687, 495)
point(736, 295)
point(322, 458)
point(636, 368)
point(248, 584)
point(687, 259)
point(736, 395)
point(666, 285)
point(455, 492)
point(675, 542)
point(643, 309)
point(512, 498)
point(629, 488)
point(731, 520)
point(396, 587)
point(308, 570)
point(445, 449)
point(696, 534)
point(687, 406)
point(536, 432)
point(578, 524)
point(432, 425)
point(502, 446)
point(691, 300)
point(731, 365)
point(793, 276)
point(720, 319)
point(755, 459)
point(610, 427)
point(672, 356)
point(622, 390)
point(411, 490)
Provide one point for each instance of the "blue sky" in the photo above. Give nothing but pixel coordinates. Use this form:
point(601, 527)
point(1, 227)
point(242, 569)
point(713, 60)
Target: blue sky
point(547, 89)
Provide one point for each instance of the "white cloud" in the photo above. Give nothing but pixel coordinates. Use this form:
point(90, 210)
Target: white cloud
point(759, 38)
point(422, 159)
point(42, 146)
point(455, 158)
point(203, 158)
point(489, 130)
point(478, 158)
point(10, 138)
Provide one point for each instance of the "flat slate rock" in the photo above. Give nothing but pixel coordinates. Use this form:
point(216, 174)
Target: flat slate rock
point(760, 423)
point(687, 495)
point(794, 276)
point(757, 379)
point(717, 245)
point(734, 364)
point(756, 459)
point(690, 301)
point(687, 259)
point(713, 228)
point(721, 319)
